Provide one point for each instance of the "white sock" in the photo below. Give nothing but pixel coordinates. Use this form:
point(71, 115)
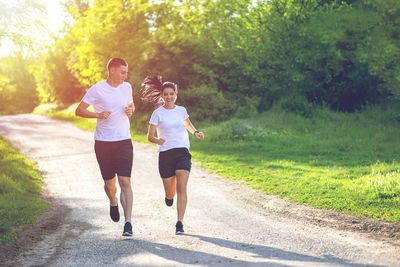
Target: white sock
point(114, 205)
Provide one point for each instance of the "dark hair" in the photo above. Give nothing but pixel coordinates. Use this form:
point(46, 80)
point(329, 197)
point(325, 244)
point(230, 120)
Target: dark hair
point(116, 62)
point(152, 87)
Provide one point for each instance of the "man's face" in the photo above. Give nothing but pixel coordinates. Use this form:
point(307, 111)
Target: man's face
point(119, 74)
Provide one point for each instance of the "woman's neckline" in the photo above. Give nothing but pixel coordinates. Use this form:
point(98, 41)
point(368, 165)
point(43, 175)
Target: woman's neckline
point(169, 108)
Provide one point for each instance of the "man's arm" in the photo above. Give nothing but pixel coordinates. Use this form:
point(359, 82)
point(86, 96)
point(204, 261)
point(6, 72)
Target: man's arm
point(83, 112)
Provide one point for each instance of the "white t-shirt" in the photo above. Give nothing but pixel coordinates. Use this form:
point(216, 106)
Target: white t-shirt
point(170, 127)
point(105, 97)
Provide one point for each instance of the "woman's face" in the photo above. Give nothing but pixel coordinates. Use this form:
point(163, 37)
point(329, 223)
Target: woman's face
point(169, 95)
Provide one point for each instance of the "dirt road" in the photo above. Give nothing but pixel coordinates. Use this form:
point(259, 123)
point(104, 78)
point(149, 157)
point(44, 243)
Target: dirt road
point(226, 223)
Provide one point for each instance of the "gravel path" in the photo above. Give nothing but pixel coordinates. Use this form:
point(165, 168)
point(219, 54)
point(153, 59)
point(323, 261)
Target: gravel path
point(226, 223)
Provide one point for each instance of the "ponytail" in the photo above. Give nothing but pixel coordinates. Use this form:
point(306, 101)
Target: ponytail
point(152, 87)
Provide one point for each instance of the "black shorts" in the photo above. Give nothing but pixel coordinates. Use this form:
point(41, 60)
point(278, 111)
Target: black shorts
point(114, 158)
point(174, 159)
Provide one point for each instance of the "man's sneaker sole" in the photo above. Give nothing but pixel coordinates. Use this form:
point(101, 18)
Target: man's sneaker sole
point(127, 234)
point(127, 229)
point(179, 228)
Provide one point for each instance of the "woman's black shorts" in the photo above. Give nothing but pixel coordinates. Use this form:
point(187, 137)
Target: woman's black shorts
point(114, 158)
point(174, 159)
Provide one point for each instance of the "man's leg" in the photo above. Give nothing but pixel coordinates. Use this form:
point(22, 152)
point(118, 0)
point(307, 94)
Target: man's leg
point(111, 190)
point(126, 196)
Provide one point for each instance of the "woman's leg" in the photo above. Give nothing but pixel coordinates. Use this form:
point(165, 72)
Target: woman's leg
point(169, 186)
point(182, 177)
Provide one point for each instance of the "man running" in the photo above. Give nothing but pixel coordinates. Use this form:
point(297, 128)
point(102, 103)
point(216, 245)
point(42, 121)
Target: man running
point(113, 105)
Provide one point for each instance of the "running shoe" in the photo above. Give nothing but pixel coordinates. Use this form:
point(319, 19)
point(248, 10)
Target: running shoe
point(127, 229)
point(114, 213)
point(169, 202)
point(179, 228)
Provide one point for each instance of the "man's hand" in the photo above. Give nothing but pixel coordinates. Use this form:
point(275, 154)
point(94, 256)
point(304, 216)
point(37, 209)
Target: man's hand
point(128, 111)
point(104, 115)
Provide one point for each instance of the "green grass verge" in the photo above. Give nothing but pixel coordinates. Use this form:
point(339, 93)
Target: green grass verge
point(343, 162)
point(20, 188)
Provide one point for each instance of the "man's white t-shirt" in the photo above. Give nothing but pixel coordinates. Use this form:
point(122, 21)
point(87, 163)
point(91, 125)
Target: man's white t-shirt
point(170, 127)
point(105, 97)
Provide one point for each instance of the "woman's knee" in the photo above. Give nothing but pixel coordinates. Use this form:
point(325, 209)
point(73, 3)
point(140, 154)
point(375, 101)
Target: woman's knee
point(181, 189)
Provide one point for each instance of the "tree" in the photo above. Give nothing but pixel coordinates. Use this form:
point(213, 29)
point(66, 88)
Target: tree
point(107, 29)
point(17, 84)
point(18, 19)
point(55, 82)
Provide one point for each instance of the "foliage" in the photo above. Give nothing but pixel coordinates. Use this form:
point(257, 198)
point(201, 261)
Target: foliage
point(54, 81)
point(340, 54)
point(382, 52)
point(17, 85)
point(20, 187)
point(206, 104)
point(46, 108)
point(298, 105)
point(18, 19)
point(332, 71)
point(107, 29)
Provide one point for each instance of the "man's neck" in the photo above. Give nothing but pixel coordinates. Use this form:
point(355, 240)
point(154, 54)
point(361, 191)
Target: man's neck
point(112, 82)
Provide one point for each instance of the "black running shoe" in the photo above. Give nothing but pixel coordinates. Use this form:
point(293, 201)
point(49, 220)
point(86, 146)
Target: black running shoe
point(169, 202)
point(179, 228)
point(114, 213)
point(127, 229)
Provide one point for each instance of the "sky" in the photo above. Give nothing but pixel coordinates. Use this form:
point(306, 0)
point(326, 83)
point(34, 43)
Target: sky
point(53, 23)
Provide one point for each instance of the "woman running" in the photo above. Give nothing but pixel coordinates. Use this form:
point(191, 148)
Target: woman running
point(171, 122)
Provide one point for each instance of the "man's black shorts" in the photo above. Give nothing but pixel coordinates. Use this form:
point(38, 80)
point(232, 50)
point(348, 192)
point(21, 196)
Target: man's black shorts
point(114, 158)
point(174, 159)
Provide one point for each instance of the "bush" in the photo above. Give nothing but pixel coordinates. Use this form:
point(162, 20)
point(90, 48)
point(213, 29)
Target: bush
point(299, 106)
point(46, 108)
point(206, 104)
point(249, 109)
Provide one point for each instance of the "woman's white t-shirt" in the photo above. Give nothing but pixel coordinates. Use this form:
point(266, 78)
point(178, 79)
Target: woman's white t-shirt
point(105, 97)
point(170, 127)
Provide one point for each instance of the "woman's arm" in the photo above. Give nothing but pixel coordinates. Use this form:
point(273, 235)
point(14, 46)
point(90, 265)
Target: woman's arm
point(189, 126)
point(150, 135)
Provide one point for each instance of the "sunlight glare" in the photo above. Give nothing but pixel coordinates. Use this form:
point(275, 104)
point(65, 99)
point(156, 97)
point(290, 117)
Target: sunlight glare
point(55, 20)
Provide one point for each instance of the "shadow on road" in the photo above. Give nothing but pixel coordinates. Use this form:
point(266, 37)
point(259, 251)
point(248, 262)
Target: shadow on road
point(263, 255)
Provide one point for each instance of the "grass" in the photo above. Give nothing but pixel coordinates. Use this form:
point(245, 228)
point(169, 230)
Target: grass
point(337, 161)
point(20, 189)
point(343, 162)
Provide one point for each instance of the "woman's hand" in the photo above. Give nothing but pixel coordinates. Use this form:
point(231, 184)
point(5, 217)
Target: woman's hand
point(199, 135)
